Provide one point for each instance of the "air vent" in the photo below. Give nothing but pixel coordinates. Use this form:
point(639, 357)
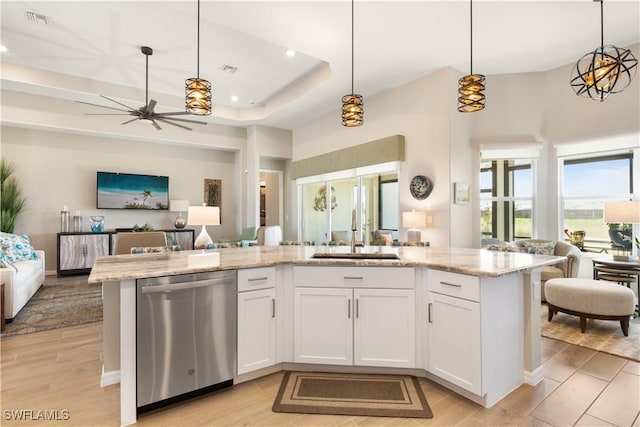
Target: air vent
point(228, 68)
point(37, 18)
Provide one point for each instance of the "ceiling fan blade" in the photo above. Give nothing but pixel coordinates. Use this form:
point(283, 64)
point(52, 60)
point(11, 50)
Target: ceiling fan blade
point(101, 106)
point(119, 103)
point(176, 113)
point(171, 123)
point(107, 114)
point(162, 116)
point(155, 125)
point(129, 121)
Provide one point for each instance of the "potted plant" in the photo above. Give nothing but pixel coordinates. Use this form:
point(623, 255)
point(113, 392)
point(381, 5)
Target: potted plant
point(11, 198)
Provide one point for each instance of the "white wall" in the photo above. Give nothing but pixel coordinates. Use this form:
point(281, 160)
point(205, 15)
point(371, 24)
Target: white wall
point(57, 169)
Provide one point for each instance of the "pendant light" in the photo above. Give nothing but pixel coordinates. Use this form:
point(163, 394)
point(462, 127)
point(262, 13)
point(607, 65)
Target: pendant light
point(606, 70)
point(197, 90)
point(471, 87)
point(352, 108)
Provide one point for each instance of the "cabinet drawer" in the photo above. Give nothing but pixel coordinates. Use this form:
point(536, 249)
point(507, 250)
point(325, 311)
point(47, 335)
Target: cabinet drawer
point(355, 277)
point(454, 284)
point(256, 278)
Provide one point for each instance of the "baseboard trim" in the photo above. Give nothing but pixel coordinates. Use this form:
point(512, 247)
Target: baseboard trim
point(533, 378)
point(109, 378)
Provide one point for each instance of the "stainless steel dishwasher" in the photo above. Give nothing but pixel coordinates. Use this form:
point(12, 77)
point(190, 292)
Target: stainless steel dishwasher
point(186, 336)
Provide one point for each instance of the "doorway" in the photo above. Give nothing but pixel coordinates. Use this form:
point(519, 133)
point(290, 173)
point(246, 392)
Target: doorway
point(271, 206)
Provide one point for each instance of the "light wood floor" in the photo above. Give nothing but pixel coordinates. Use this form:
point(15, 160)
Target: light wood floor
point(59, 371)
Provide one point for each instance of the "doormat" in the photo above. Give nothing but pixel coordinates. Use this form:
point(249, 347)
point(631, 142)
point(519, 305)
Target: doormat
point(352, 394)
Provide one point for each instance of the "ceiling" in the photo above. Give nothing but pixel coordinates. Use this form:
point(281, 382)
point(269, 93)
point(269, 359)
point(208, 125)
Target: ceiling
point(77, 50)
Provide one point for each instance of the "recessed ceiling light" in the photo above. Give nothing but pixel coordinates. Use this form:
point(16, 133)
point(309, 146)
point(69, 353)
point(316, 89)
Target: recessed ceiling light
point(290, 53)
point(3, 48)
point(234, 98)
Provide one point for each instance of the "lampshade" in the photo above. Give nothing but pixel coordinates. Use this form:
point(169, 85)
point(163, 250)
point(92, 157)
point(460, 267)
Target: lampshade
point(471, 87)
point(352, 106)
point(178, 205)
point(203, 215)
point(627, 212)
point(606, 70)
point(197, 90)
point(414, 219)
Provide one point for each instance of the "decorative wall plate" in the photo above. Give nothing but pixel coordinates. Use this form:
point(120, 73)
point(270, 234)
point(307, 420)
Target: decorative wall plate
point(420, 187)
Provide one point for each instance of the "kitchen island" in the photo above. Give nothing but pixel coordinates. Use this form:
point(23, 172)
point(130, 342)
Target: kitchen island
point(466, 318)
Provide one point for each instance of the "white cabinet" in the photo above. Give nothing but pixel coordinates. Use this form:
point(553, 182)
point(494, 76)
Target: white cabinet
point(454, 340)
point(474, 332)
point(77, 252)
point(256, 319)
point(322, 326)
point(384, 327)
point(360, 316)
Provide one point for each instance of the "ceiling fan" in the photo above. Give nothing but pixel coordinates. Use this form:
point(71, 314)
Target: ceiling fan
point(145, 112)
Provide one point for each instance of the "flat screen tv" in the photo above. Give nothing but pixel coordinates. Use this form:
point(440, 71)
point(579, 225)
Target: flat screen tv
point(132, 191)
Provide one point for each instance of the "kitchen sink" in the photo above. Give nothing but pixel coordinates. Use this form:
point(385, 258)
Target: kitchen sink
point(348, 255)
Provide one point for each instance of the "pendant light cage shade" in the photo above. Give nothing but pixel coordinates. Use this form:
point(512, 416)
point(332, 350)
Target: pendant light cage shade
point(352, 110)
point(198, 96)
point(471, 93)
point(606, 70)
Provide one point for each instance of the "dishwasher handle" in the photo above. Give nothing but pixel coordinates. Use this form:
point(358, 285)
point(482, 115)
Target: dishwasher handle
point(184, 285)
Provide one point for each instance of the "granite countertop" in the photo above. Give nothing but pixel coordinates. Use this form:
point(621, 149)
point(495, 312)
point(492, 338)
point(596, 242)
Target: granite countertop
point(475, 262)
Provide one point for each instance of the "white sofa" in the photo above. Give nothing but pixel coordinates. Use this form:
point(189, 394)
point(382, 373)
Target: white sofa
point(21, 285)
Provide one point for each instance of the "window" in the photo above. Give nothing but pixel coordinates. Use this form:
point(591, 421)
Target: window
point(587, 183)
point(506, 199)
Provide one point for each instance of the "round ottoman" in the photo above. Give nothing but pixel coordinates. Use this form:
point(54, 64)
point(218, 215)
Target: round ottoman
point(590, 299)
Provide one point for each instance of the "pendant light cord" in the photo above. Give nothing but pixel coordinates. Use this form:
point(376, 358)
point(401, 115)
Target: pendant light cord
point(601, 25)
point(471, 34)
point(352, 61)
point(198, 45)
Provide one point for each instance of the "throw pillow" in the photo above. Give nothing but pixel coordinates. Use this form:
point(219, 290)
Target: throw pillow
point(5, 263)
point(16, 248)
point(504, 247)
point(539, 248)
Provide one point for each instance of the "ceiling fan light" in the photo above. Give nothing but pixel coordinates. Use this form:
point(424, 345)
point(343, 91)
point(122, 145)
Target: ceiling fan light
point(352, 110)
point(604, 71)
point(471, 93)
point(198, 97)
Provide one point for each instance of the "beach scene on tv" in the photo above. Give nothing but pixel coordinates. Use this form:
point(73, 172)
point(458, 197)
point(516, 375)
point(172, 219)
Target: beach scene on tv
point(130, 191)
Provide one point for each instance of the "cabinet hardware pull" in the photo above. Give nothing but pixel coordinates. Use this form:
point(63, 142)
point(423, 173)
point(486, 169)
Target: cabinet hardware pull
point(429, 312)
point(455, 285)
point(273, 307)
point(352, 277)
point(256, 279)
point(357, 308)
point(349, 308)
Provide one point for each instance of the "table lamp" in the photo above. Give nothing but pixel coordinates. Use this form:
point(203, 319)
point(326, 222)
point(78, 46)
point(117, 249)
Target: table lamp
point(414, 220)
point(203, 215)
point(627, 212)
point(179, 206)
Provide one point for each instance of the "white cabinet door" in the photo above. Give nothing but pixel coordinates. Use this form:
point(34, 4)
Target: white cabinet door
point(323, 331)
point(256, 330)
point(454, 341)
point(384, 327)
point(71, 252)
